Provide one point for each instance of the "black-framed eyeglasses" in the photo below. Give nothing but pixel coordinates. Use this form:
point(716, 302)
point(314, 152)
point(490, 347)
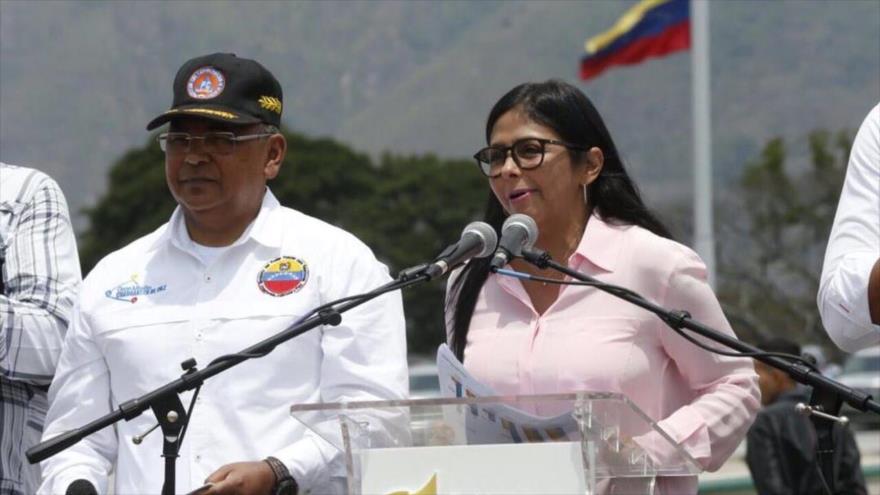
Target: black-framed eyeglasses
point(528, 153)
point(218, 143)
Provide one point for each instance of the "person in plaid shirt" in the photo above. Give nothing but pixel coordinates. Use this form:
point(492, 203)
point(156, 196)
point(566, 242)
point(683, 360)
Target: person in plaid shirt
point(39, 279)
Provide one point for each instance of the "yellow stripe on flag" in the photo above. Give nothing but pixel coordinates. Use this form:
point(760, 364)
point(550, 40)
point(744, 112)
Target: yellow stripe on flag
point(624, 24)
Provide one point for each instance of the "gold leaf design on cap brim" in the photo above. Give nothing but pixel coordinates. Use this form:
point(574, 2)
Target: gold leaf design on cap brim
point(207, 111)
point(270, 103)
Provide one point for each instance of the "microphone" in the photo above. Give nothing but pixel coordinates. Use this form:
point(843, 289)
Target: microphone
point(81, 487)
point(519, 232)
point(478, 240)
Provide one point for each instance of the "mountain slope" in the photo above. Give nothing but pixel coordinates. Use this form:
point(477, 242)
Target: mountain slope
point(80, 79)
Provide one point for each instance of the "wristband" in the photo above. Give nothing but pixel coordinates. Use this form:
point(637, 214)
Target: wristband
point(284, 482)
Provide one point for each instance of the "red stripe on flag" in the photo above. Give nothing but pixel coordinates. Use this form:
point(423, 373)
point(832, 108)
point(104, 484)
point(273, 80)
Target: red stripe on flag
point(281, 285)
point(677, 37)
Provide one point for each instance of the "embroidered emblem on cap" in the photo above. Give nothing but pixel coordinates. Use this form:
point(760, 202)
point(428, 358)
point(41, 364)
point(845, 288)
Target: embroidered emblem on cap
point(205, 83)
point(130, 290)
point(283, 276)
point(270, 103)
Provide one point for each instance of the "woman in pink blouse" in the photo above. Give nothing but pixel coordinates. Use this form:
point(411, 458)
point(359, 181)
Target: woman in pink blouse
point(551, 157)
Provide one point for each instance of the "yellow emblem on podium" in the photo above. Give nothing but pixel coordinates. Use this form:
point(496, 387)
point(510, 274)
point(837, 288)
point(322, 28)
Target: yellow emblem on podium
point(429, 489)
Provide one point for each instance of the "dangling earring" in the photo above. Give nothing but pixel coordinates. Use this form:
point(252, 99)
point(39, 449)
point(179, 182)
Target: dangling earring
point(584, 186)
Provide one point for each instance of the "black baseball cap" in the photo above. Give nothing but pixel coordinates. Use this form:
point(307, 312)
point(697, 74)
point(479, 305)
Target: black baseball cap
point(224, 88)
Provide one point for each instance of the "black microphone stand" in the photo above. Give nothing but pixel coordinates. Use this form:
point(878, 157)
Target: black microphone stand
point(827, 397)
point(165, 400)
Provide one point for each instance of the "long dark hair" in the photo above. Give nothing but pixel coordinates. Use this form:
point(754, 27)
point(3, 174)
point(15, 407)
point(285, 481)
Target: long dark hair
point(613, 195)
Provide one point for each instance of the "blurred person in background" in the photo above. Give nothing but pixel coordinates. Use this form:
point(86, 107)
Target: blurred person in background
point(849, 290)
point(820, 360)
point(39, 279)
point(551, 157)
point(781, 444)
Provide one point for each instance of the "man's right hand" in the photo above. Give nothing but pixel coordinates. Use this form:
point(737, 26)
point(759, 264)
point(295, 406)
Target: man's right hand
point(242, 478)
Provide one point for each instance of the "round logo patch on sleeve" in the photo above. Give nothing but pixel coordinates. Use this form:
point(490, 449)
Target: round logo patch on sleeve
point(283, 276)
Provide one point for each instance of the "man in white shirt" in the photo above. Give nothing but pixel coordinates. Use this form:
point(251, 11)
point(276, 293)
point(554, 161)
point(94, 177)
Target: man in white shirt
point(849, 291)
point(231, 268)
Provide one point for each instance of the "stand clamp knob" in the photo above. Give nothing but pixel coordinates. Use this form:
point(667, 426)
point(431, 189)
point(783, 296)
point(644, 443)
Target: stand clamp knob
point(815, 411)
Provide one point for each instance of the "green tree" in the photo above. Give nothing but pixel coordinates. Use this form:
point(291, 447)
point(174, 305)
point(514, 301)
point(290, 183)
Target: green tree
point(406, 208)
point(136, 202)
point(773, 231)
point(418, 206)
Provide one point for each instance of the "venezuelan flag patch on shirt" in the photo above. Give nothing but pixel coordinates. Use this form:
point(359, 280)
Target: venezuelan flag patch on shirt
point(283, 276)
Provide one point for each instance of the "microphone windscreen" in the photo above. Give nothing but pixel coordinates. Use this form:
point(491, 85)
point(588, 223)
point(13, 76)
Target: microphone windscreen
point(81, 487)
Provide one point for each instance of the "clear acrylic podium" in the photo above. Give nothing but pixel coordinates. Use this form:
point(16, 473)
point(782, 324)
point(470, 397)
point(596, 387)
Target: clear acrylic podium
point(586, 443)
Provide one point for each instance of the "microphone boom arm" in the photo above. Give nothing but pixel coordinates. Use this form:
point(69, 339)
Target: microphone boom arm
point(166, 398)
point(682, 319)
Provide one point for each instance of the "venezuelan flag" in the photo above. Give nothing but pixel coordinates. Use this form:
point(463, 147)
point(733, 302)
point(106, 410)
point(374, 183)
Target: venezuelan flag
point(651, 28)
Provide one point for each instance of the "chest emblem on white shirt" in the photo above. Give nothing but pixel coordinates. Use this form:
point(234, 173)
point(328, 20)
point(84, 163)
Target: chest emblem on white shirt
point(283, 276)
point(131, 289)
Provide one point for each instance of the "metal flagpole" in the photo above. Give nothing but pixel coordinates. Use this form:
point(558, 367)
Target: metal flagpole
point(704, 239)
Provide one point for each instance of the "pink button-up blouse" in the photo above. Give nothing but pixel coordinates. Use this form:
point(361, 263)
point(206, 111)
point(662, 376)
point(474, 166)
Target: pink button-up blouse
point(590, 340)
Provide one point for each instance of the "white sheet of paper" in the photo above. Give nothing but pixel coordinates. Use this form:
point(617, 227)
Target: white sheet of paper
point(497, 423)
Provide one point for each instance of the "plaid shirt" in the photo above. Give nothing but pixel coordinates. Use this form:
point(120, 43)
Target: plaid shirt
point(39, 278)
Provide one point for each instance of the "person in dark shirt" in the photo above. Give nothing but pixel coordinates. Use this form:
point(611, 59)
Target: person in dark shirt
point(781, 444)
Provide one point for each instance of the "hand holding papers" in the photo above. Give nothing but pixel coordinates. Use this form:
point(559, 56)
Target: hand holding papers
point(619, 434)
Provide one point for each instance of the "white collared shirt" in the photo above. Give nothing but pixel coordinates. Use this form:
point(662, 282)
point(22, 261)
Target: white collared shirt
point(854, 245)
point(151, 305)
